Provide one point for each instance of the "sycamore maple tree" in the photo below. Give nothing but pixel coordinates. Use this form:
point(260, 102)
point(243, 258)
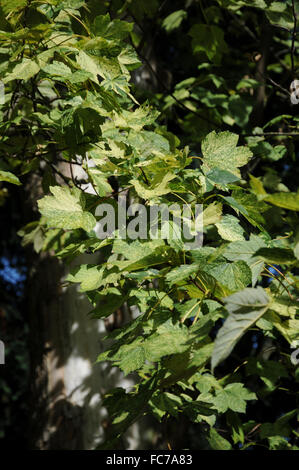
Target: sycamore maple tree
point(200, 133)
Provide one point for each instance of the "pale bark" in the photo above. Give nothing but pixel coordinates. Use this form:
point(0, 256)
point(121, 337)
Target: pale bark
point(67, 385)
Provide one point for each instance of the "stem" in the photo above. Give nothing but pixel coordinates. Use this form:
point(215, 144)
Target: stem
point(281, 283)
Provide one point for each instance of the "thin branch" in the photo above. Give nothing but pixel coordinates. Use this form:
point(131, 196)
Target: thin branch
point(65, 179)
point(277, 85)
point(243, 26)
point(73, 178)
point(272, 133)
point(280, 282)
point(281, 274)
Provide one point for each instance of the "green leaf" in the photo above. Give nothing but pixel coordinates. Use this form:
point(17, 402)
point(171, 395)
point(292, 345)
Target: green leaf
point(107, 303)
point(165, 402)
point(159, 255)
point(32, 233)
point(116, 29)
point(167, 340)
point(276, 255)
point(235, 275)
point(232, 397)
point(282, 117)
point(93, 276)
point(221, 177)
point(174, 20)
point(281, 18)
point(285, 200)
point(9, 177)
point(100, 181)
point(221, 151)
point(13, 5)
point(235, 424)
point(269, 371)
point(199, 411)
point(266, 151)
point(249, 206)
point(218, 442)
point(244, 250)
point(89, 276)
point(279, 428)
point(133, 357)
point(125, 408)
point(209, 40)
point(245, 308)
point(240, 109)
point(182, 272)
point(65, 209)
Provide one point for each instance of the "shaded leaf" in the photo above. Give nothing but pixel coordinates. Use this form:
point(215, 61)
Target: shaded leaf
point(245, 308)
point(218, 442)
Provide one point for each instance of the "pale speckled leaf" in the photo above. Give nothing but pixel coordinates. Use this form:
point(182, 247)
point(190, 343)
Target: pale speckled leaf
point(212, 214)
point(65, 209)
point(88, 64)
point(221, 151)
point(230, 229)
point(234, 276)
point(146, 192)
point(23, 71)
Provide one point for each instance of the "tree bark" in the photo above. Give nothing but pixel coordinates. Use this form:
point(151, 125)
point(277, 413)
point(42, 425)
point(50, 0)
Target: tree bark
point(66, 386)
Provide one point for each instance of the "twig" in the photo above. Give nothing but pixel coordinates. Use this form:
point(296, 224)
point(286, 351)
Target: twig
point(272, 133)
point(280, 282)
point(73, 178)
point(65, 179)
point(243, 26)
point(266, 77)
point(281, 274)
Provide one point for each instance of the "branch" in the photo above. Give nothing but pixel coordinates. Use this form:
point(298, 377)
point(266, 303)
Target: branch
point(272, 133)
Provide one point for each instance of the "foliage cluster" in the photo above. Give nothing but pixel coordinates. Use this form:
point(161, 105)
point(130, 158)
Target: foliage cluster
point(173, 102)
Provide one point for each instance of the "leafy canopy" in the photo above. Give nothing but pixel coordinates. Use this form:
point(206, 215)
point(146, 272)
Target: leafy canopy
point(76, 99)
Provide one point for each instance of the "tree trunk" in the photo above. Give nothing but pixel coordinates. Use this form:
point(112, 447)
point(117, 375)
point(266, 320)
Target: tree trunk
point(66, 385)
